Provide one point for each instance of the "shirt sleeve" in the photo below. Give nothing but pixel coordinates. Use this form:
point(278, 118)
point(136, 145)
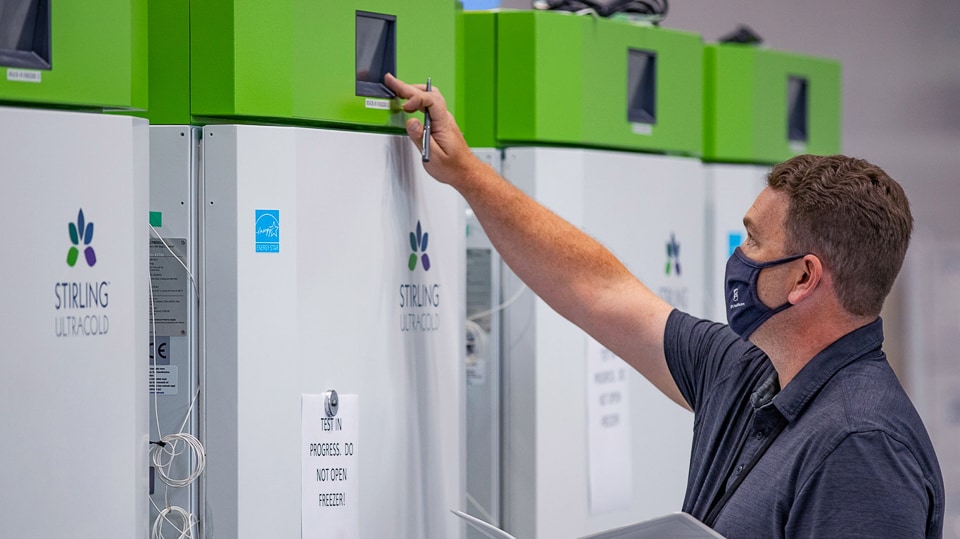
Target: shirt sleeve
point(700, 353)
point(869, 486)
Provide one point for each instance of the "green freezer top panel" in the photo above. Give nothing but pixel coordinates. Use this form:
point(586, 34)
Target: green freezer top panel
point(477, 71)
point(169, 62)
point(765, 106)
point(303, 61)
point(583, 81)
point(74, 54)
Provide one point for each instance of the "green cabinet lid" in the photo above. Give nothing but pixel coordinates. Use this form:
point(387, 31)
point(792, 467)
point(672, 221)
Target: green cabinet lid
point(765, 106)
point(297, 61)
point(559, 78)
point(85, 55)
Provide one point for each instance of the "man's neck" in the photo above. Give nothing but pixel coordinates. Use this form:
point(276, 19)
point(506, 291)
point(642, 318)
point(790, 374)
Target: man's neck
point(793, 341)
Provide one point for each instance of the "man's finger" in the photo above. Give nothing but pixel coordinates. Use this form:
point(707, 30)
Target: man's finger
point(399, 87)
point(416, 95)
point(415, 131)
point(412, 104)
point(403, 89)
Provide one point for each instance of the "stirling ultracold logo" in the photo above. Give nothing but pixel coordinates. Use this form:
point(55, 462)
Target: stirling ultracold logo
point(81, 231)
point(418, 242)
point(419, 298)
point(81, 306)
point(673, 255)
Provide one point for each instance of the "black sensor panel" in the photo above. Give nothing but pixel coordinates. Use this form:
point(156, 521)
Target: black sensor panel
point(25, 34)
point(798, 118)
point(642, 86)
point(376, 53)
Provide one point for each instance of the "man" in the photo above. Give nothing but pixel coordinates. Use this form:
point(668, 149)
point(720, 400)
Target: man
point(801, 428)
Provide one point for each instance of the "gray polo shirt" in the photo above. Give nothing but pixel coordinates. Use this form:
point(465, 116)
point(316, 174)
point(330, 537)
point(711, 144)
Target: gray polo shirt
point(853, 459)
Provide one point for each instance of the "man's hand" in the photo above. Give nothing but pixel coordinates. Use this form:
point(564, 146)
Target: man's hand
point(450, 157)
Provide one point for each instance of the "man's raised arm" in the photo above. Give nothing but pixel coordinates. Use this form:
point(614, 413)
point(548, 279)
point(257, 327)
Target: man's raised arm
point(572, 272)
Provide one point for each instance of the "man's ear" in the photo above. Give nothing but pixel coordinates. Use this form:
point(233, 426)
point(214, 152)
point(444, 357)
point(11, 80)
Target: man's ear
point(806, 279)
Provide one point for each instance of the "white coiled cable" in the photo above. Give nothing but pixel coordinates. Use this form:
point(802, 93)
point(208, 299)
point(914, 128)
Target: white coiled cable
point(186, 526)
point(169, 448)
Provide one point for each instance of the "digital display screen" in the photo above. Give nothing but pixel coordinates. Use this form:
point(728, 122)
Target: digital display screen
point(376, 53)
point(25, 33)
point(797, 117)
point(642, 86)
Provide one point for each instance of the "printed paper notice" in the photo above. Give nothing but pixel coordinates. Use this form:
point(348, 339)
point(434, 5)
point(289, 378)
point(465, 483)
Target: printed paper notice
point(608, 415)
point(330, 481)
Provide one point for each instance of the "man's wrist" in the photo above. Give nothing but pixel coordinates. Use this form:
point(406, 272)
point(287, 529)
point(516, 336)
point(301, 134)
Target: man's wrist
point(468, 171)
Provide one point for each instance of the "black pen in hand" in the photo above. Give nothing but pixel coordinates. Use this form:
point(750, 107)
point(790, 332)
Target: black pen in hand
point(426, 130)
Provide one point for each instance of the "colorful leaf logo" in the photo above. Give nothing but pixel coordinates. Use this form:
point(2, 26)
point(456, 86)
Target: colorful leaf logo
point(418, 243)
point(81, 231)
point(673, 255)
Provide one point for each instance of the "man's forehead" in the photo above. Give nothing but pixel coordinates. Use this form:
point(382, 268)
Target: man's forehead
point(768, 210)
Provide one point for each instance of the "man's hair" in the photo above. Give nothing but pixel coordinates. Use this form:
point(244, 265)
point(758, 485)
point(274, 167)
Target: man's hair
point(854, 217)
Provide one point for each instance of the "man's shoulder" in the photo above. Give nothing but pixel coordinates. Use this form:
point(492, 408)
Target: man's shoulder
point(865, 402)
point(708, 338)
point(712, 366)
point(867, 395)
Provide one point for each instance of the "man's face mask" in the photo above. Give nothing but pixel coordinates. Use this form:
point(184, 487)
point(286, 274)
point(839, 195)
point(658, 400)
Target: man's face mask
point(745, 311)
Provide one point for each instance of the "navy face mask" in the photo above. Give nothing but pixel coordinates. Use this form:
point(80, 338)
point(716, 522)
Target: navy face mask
point(745, 311)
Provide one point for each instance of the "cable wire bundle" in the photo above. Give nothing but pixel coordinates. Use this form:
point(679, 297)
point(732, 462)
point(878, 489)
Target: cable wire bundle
point(170, 447)
point(647, 10)
point(580, 7)
point(187, 522)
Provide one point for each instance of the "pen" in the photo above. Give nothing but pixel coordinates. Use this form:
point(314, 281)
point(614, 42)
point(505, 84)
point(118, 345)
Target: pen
point(426, 130)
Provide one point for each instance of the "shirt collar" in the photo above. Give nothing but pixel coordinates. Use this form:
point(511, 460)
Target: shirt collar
point(814, 375)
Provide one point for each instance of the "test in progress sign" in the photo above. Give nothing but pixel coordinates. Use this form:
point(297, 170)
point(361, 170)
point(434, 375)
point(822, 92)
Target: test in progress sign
point(330, 482)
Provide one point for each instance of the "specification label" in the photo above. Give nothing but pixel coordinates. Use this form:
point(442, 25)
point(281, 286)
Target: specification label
point(330, 482)
point(163, 380)
point(22, 75)
point(168, 280)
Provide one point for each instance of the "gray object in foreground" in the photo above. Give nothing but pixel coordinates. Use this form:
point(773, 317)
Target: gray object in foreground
point(674, 525)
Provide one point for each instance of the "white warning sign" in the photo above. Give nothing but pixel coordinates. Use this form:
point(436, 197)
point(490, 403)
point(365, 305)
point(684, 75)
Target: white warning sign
point(330, 482)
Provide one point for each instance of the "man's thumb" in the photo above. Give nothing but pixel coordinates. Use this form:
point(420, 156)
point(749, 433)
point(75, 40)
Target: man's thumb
point(415, 131)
